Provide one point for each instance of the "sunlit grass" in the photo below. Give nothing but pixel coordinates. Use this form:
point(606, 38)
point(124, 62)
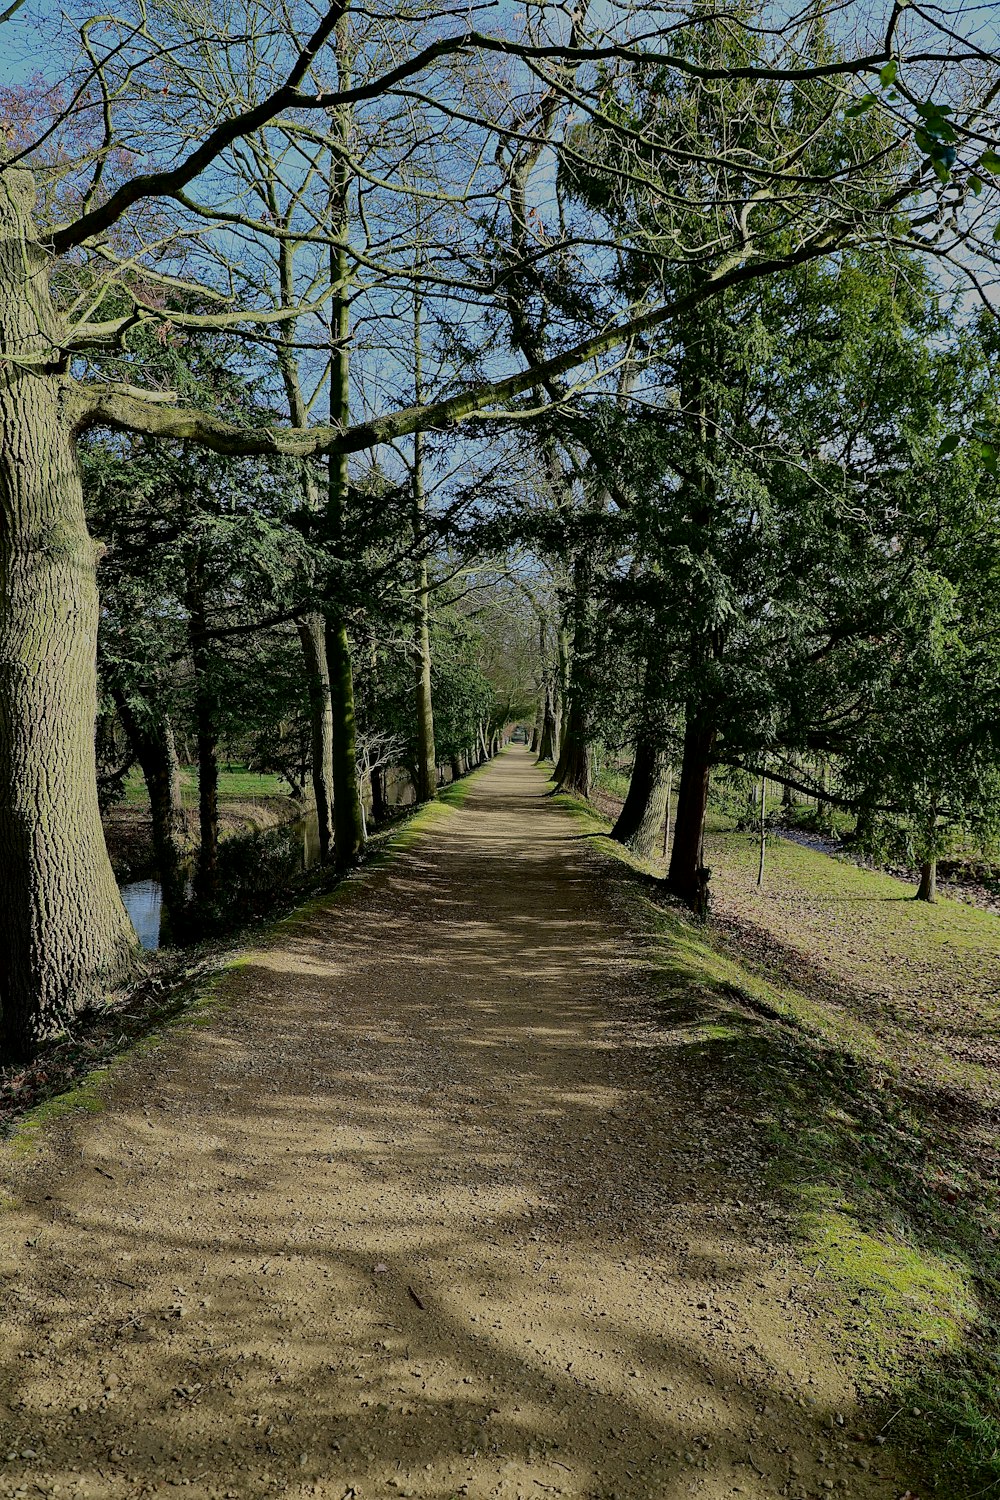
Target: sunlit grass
point(860, 1029)
point(235, 784)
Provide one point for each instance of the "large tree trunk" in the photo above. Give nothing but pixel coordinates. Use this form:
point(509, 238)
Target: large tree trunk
point(686, 877)
point(65, 938)
point(152, 741)
point(312, 634)
point(572, 773)
point(641, 818)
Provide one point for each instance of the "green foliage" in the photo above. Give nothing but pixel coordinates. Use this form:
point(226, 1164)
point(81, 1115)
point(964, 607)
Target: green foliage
point(256, 870)
point(802, 551)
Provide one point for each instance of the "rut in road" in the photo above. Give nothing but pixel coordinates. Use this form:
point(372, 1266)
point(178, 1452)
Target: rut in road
point(433, 1205)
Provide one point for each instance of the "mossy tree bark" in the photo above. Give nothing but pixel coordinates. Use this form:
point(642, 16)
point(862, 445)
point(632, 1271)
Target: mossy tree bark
point(927, 887)
point(64, 935)
point(687, 876)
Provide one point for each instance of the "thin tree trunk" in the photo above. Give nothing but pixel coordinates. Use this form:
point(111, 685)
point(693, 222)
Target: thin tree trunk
point(687, 878)
point(763, 829)
point(348, 825)
point(153, 744)
point(65, 938)
point(550, 733)
point(206, 730)
point(380, 802)
point(312, 627)
point(927, 889)
point(426, 751)
point(641, 818)
point(573, 768)
point(364, 778)
point(666, 810)
point(312, 635)
point(560, 693)
point(787, 794)
point(426, 780)
point(538, 727)
point(348, 816)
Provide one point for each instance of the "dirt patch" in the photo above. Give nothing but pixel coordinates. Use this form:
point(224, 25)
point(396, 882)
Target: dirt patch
point(445, 1201)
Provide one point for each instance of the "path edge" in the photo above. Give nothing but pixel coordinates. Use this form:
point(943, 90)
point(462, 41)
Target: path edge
point(202, 997)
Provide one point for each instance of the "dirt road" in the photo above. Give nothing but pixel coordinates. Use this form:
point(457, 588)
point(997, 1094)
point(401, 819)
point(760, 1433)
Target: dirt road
point(435, 1206)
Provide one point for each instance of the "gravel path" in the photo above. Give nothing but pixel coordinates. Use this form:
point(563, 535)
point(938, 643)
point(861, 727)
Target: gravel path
point(434, 1205)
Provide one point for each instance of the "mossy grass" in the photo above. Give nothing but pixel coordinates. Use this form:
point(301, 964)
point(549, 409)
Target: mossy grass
point(880, 1148)
point(235, 783)
point(87, 1097)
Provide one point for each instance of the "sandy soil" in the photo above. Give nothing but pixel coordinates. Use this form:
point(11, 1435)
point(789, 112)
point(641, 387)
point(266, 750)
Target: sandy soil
point(433, 1206)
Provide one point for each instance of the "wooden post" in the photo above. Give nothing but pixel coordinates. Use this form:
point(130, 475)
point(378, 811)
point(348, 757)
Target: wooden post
point(763, 829)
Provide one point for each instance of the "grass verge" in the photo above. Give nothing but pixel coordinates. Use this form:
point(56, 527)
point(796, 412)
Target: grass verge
point(180, 987)
point(841, 1011)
